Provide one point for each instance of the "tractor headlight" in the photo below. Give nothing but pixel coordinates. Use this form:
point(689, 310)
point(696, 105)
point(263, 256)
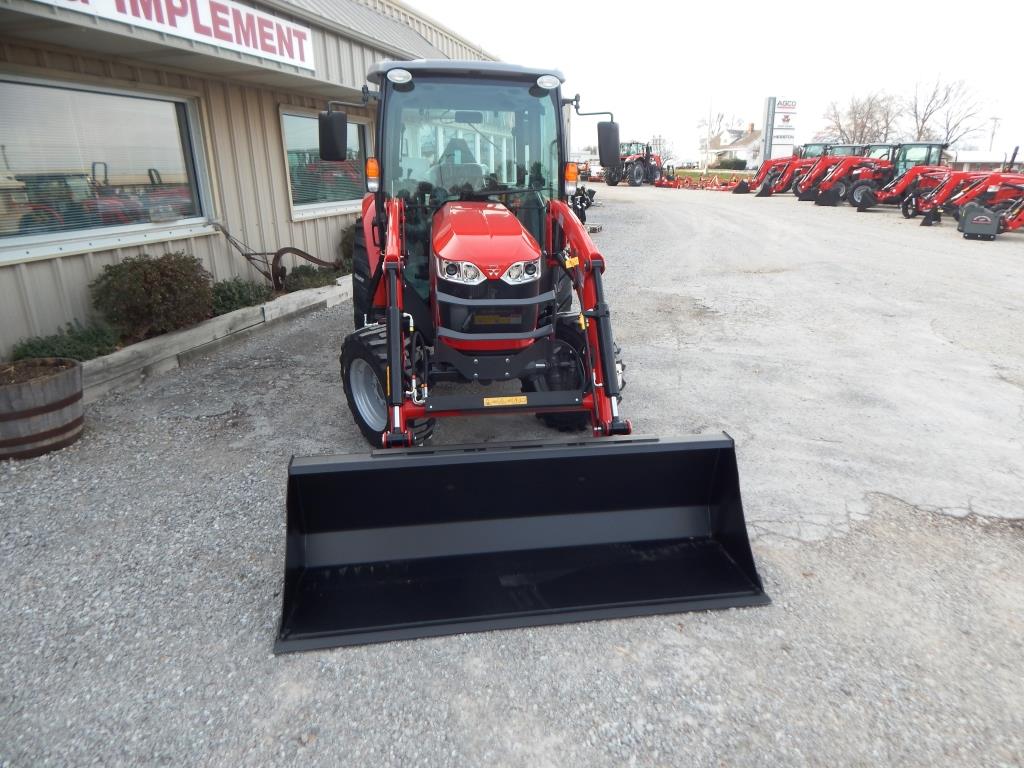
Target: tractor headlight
point(522, 272)
point(459, 272)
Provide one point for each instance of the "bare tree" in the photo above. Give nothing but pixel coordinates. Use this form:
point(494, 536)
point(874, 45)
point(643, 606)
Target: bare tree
point(946, 112)
point(864, 119)
point(662, 147)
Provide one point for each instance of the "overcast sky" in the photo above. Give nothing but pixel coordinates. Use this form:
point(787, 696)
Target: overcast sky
point(659, 65)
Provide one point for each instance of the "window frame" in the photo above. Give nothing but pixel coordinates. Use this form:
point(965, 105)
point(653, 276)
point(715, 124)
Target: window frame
point(48, 245)
point(307, 211)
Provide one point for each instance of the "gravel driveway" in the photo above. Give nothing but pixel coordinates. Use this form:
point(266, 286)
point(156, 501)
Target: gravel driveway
point(872, 373)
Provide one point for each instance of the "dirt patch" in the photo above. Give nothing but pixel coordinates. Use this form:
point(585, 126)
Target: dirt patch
point(23, 371)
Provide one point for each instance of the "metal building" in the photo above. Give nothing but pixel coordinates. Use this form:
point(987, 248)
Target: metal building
point(132, 126)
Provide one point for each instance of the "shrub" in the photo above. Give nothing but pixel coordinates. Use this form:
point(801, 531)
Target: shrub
point(77, 342)
point(143, 297)
point(732, 164)
point(229, 295)
point(308, 276)
point(348, 241)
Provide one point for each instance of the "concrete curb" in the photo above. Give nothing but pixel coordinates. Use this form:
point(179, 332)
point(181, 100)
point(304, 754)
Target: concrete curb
point(130, 366)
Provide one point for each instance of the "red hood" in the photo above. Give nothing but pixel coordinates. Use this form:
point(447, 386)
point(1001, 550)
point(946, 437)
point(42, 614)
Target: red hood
point(486, 234)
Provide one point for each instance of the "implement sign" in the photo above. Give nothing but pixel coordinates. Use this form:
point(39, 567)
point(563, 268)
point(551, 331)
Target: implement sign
point(223, 23)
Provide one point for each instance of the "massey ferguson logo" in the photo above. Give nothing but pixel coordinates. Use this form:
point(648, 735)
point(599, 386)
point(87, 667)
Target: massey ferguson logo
point(493, 271)
point(785, 118)
point(981, 219)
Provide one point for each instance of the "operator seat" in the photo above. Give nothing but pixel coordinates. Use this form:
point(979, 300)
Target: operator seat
point(457, 166)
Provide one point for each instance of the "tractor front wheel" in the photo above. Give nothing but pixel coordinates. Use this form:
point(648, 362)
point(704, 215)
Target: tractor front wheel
point(655, 175)
point(856, 194)
point(364, 363)
point(909, 207)
point(612, 178)
point(565, 371)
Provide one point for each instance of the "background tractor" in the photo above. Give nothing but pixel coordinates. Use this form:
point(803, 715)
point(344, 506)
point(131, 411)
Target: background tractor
point(636, 163)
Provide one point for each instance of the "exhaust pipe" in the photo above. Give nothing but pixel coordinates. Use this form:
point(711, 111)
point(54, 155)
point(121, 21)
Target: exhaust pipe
point(421, 542)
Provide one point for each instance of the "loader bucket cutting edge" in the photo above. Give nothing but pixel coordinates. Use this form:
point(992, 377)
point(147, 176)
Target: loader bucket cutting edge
point(741, 189)
point(765, 190)
point(808, 194)
point(424, 542)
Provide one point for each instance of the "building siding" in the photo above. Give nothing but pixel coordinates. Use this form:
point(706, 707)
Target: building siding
point(241, 131)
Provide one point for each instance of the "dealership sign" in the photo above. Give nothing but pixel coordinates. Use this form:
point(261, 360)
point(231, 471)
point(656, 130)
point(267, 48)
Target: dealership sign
point(222, 23)
point(779, 137)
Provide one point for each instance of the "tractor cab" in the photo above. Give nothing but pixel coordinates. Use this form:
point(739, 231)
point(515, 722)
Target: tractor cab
point(810, 150)
point(909, 155)
point(843, 150)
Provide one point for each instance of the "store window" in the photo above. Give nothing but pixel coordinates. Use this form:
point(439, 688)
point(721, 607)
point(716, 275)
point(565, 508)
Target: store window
point(316, 182)
point(73, 160)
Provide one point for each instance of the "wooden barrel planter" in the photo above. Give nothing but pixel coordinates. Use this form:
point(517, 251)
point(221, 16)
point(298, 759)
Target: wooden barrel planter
point(40, 406)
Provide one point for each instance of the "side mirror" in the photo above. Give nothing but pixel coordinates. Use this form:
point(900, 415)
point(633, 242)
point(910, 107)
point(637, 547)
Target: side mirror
point(608, 143)
point(333, 135)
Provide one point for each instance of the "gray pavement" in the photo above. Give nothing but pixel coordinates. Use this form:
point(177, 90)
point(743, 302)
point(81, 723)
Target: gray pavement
point(872, 373)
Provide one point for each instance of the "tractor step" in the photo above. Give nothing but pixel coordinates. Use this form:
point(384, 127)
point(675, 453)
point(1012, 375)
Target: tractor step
point(432, 541)
point(527, 401)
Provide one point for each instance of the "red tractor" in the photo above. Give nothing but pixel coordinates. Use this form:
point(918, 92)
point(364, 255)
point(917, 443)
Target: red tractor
point(67, 201)
point(636, 163)
point(996, 191)
point(875, 174)
point(918, 183)
point(770, 170)
point(806, 177)
point(837, 180)
point(930, 202)
point(478, 291)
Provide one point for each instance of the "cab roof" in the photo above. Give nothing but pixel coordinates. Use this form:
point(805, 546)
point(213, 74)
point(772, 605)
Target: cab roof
point(458, 67)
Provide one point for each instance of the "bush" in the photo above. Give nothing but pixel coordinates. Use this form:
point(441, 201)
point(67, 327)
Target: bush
point(77, 342)
point(143, 297)
point(308, 276)
point(732, 164)
point(229, 295)
point(348, 241)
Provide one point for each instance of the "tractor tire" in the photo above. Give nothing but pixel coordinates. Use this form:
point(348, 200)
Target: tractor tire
point(364, 362)
point(635, 174)
point(612, 178)
point(908, 207)
point(842, 188)
point(362, 298)
point(570, 343)
point(855, 194)
point(655, 175)
point(793, 186)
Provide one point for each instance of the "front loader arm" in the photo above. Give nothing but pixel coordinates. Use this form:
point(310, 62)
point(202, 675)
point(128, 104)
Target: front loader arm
point(585, 265)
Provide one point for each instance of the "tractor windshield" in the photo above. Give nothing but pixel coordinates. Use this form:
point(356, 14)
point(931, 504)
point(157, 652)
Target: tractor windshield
point(471, 138)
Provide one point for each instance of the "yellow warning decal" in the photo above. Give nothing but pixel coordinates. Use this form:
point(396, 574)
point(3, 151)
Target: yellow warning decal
point(490, 402)
point(572, 261)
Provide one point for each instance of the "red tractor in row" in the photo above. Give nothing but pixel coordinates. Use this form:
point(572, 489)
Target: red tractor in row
point(770, 170)
point(637, 164)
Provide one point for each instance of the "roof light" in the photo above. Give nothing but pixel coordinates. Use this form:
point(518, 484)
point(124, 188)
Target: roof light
point(399, 76)
point(547, 82)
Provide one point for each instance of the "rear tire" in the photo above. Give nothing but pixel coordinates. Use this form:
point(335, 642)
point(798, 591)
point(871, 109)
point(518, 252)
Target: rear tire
point(635, 174)
point(569, 346)
point(362, 300)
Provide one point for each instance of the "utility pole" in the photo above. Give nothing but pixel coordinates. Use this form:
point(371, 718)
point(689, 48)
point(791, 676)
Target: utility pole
point(707, 140)
point(992, 136)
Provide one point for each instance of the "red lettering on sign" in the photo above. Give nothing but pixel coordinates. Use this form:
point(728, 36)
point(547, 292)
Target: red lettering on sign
point(176, 9)
point(197, 25)
point(300, 38)
point(221, 23)
point(245, 28)
point(284, 42)
point(149, 9)
point(266, 35)
point(119, 4)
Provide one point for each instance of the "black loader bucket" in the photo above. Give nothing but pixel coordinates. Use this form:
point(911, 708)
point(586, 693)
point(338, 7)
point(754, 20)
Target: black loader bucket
point(811, 193)
point(741, 189)
point(765, 190)
point(423, 542)
point(868, 201)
